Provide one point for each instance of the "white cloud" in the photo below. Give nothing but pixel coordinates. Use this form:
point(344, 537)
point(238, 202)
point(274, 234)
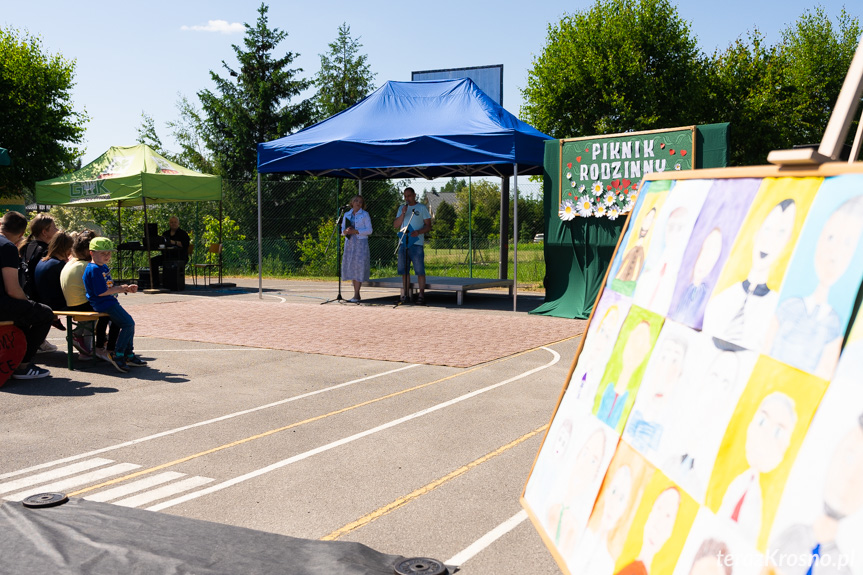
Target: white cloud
point(222, 26)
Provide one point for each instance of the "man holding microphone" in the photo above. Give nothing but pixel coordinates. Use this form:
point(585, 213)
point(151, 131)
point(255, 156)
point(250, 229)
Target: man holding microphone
point(413, 221)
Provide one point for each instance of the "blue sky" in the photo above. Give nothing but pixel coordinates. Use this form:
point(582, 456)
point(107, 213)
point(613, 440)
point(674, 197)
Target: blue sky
point(134, 57)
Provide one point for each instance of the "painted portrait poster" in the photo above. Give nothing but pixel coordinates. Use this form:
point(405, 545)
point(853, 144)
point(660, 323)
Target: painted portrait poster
point(631, 254)
point(564, 506)
point(709, 245)
point(662, 384)
point(747, 291)
point(619, 496)
point(714, 547)
point(673, 228)
point(658, 530)
point(625, 368)
point(760, 445)
point(608, 316)
point(821, 512)
point(822, 280)
point(715, 376)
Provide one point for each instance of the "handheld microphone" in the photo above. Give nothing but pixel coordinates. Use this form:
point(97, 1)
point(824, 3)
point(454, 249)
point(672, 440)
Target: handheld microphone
point(347, 207)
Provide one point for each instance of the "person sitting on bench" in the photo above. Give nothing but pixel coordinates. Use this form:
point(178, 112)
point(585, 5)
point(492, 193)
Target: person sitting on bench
point(33, 318)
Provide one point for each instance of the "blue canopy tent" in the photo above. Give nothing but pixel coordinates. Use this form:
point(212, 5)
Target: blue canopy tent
point(431, 129)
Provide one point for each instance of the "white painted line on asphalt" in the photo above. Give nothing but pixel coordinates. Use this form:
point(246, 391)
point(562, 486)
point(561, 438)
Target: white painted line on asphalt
point(163, 492)
point(53, 474)
point(75, 481)
point(135, 486)
point(202, 423)
point(352, 438)
point(275, 296)
point(483, 542)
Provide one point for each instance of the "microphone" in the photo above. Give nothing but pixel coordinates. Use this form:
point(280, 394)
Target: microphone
point(347, 207)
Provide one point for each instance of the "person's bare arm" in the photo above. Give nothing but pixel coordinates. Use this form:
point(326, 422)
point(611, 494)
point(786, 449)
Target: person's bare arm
point(120, 289)
point(10, 282)
point(423, 230)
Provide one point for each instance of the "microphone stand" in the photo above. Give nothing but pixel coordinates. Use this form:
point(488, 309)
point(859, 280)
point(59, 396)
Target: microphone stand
point(404, 238)
point(336, 228)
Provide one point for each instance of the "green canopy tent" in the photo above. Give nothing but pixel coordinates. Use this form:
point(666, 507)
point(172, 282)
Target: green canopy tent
point(5, 160)
point(131, 176)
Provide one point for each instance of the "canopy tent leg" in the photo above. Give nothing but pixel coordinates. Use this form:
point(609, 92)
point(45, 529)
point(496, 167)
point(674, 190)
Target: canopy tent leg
point(120, 241)
point(260, 244)
point(515, 239)
point(502, 270)
point(469, 228)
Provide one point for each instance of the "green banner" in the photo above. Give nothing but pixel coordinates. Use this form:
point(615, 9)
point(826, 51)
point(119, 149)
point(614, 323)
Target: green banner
point(599, 175)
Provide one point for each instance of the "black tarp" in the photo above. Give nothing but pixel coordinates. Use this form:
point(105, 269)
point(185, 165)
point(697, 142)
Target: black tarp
point(91, 538)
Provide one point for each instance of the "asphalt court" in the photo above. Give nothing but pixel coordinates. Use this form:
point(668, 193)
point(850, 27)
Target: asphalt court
point(411, 459)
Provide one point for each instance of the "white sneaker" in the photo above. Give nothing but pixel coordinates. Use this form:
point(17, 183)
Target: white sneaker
point(46, 346)
point(354, 300)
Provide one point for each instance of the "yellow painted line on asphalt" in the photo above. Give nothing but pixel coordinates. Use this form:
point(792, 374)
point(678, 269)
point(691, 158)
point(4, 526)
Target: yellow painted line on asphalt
point(402, 501)
point(291, 426)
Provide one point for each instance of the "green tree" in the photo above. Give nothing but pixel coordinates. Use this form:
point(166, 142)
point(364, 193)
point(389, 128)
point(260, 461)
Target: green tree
point(815, 57)
point(620, 65)
point(147, 134)
point(778, 96)
point(444, 222)
point(256, 107)
point(188, 131)
point(344, 78)
point(38, 124)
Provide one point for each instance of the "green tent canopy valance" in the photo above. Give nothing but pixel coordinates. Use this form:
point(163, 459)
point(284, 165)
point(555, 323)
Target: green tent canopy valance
point(129, 176)
point(5, 160)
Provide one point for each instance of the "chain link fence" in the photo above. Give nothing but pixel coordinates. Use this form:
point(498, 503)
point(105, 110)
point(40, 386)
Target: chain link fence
point(300, 235)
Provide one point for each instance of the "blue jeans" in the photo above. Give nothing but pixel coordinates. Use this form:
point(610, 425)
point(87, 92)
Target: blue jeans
point(126, 324)
point(417, 257)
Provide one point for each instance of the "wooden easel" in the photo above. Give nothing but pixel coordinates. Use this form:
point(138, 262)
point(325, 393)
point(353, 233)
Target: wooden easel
point(837, 126)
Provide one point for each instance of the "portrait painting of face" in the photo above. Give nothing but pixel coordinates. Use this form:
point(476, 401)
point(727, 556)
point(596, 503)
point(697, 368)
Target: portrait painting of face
point(658, 530)
point(629, 260)
point(822, 280)
point(721, 216)
point(713, 547)
point(602, 541)
point(747, 291)
point(713, 380)
point(760, 445)
point(549, 462)
point(673, 227)
point(601, 335)
point(625, 369)
point(657, 400)
point(822, 503)
point(570, 501)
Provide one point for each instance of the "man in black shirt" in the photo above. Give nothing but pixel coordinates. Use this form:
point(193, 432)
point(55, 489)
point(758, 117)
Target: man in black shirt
point(34, 319)
point(176, 251)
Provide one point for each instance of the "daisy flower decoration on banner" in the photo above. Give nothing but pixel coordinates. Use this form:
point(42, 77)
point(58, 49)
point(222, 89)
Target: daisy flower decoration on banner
point(585, 207)
point(597, 188)
point(567, 210)
point(601, 211)
point(613, 212)
point(608, 199)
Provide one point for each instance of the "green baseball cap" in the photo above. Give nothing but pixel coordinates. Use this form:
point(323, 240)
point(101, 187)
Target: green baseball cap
point(101, 244)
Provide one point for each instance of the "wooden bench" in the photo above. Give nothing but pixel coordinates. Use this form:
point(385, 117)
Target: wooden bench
point(72, 319)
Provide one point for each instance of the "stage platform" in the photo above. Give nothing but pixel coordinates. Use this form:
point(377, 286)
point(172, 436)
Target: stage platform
point(438, 283)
